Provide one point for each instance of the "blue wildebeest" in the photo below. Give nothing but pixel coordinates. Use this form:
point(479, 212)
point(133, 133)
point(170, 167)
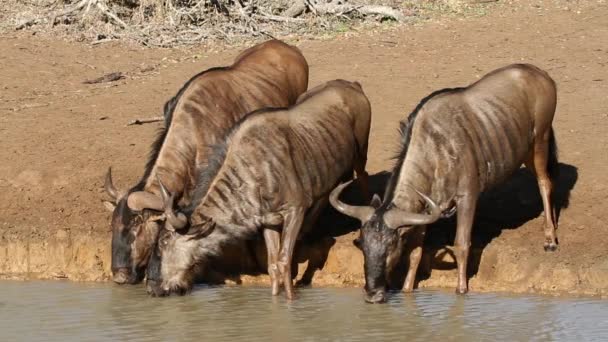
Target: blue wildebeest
point(456, 144)
point(271, 175)
point(205, 108)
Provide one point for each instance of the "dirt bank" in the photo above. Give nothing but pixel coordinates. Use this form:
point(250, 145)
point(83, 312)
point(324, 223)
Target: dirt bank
point(58, 136)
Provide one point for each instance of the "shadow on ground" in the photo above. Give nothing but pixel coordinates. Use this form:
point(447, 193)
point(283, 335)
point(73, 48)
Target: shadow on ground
point(507, 206)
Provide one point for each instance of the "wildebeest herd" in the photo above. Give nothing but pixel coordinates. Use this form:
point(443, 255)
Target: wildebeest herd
point(248, 154)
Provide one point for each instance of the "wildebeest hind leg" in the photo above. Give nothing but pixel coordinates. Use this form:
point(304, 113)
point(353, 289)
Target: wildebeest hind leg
point(293, 220)
point(273, 239)
point(537, 163)
point(462, 244)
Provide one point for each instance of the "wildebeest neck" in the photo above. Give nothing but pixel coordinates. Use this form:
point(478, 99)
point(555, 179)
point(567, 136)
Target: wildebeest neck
point(412, 168)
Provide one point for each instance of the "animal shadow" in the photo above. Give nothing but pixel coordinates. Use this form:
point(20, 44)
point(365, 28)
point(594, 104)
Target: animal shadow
point(508, 206)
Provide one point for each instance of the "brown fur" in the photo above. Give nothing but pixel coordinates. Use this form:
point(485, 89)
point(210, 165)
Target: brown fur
point(271, 74)
point(274, 173)
point(456, 144)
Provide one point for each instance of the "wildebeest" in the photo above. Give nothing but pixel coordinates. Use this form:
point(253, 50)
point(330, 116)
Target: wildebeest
point(205, 108)
point(456, 144)
point(246, 257)
point(272, 174)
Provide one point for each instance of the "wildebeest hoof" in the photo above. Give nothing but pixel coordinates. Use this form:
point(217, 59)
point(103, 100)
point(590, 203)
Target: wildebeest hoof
point(155, 290)
point(550, 247)
point(462, 291)
point(303, 283)
point(276, 288)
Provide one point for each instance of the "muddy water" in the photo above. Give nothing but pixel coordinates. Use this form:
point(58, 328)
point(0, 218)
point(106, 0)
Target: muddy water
point(63, 311)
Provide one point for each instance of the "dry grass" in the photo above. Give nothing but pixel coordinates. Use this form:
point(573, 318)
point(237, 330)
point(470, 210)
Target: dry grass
point(183, 22)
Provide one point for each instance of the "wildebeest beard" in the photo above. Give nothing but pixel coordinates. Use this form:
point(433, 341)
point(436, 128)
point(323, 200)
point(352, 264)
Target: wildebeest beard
point(381, 247)
point(124, 221)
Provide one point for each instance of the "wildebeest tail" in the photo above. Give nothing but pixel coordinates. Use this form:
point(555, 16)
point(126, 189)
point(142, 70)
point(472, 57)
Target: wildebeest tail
point(552, 161)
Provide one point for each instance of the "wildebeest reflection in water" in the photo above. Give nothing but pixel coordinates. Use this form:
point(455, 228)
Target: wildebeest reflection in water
point(68, 311)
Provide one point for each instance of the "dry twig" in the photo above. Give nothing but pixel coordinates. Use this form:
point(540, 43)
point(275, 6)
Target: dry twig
point(143, 121)
point(111, 77)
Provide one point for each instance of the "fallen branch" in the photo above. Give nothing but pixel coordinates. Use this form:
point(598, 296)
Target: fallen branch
point(111, 77)
point(330, 8)
point(278, 18)
point(296, 9)
point(143, 121)
point(100, 4)
point(77, 7)
point(104, 9)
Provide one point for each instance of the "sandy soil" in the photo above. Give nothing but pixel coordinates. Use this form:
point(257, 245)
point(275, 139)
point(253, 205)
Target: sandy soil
point(58, 136)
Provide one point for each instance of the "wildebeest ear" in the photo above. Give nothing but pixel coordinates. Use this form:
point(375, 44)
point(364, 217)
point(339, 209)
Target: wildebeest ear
point(157, 218)
point(357, 243)
point(109, 205)
point(376, 201)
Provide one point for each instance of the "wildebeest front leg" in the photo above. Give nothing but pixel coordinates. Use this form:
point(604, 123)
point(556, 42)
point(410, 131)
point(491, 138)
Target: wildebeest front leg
point(273, 240)
point(465, 216)
point(293, 220)
point(415, 243)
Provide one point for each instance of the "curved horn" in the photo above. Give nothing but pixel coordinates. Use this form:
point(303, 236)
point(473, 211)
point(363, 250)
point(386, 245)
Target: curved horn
point(395, 218)
point(362, 213)
point(140, 200)
point(109, 185)
point(175, 221)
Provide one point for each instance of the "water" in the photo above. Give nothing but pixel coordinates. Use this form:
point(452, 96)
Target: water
point(64, 311)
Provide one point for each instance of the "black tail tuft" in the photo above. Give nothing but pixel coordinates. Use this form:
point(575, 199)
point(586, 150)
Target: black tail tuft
point(552, 162)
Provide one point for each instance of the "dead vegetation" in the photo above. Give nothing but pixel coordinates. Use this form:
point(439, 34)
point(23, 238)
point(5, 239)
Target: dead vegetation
point(183, 22)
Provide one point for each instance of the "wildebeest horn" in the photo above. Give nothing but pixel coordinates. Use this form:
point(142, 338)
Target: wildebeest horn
point(362, 213)
point(395, 218)
point(140, 200)
point(175, 221)
point(109, 185)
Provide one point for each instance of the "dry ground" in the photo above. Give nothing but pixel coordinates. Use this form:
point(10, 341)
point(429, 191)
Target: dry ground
point(58, 136)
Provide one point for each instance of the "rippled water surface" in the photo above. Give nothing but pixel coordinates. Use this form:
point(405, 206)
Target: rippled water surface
point(63, 311)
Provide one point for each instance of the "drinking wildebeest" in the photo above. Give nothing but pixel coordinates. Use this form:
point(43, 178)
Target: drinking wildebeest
point(456, 144)
point(247, 257)
point(272, 174)
point(205, 108)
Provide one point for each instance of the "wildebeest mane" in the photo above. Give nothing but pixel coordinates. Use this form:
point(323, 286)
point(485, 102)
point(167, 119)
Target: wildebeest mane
point(168, 111)
point(208, 171)
point(405, 131)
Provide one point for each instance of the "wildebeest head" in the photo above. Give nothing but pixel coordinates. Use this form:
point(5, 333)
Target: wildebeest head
point(182, 258)
point(383, 232)
point(136, 220)
point(180, 251)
